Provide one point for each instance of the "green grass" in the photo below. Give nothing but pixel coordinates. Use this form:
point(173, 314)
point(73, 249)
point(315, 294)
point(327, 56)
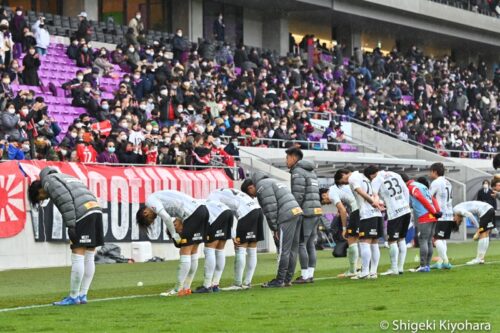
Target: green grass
point(328, 305)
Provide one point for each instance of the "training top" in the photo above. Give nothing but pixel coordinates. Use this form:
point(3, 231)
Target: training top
point(472, 210)
point(441, 189)
point(174, 203)
point(239, 202)
point(343, 194)
point(366, 211)
point(394, 192)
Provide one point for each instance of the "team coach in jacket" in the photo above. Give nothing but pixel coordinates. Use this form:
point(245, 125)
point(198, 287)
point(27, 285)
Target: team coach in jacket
point(83, 216)
point(305, 189)
point(283, 215)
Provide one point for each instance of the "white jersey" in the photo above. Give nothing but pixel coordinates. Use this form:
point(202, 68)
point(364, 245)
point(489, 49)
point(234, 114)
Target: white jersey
point(441, 189)
point(215, 209)
point(472, 209)
point(239, 202)
point(174, 203)
point(343, 194)
point(366, 211)
point(393, 191)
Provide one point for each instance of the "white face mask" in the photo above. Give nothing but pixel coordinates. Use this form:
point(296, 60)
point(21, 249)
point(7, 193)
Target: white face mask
point(80, 77)
point(118, 114)
point(87, 90)
point(485, 186)
point(64, 152)
point(74, 135)
point(143, 107)
point(123, 138)
point(138, 17)
point(19, 13)
point(26, 148)
point(131, 50)
point(235, 143)
point(41, 122)
point(283, 128)
point(12, 110)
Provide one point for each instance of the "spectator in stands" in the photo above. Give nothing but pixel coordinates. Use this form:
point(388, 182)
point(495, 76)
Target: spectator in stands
point(73, 48)
point(84, 56)
point(6, 43)
point(42, 36)
point(84, 28)
point(102, 63)
point(69, 140)
point(17, 26)
point(136, 24)
point(131, 39)
point(44, 149)
point(75, 83)
point(48, 128)
point(14, 150)
point(127, 154)
point(10, 122)
point(219, 28)
point(6, 92)
point(15, 74)
point(85, 97)
point(29, 39)
point(180, 47)
point(108, 155)
point(485, 194)
point(63, 152)
point(132, 57)
point(31, 64)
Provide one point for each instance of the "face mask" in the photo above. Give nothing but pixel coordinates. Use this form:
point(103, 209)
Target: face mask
point(24, 111)
point(149, 128)
point(105, 107)
point(26, 148)
point(124, 125)
point(164, 92)
point(235, 143)
point(127, 79)
point(111, 149)
point(118, 114)
point(32, 52)
point(142, 107)
point(85, 49)
point(138, 17)
point(87, 90)
point(64, 152)
point(123, 138)
point(131, 50)
point(74, 135)
point(137, 77)
point(12, 110)
point(80, 77)
point(485, 186)
point(19, 13)
point(6, 81)
point(177, 140)
point(78, 125)
point(179, 34)
point(283, 128)
point(41, 122)
point(129, 118)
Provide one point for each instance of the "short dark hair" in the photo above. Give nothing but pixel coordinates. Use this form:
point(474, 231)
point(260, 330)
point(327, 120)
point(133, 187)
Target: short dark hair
point(339, 174)
point(424, 181)
point(294, 151)
point(141, 220)
point(322, 190)
point(370, 170)
point(34, 191)
point(405, 177)
point(496, 161)
point(495, 181)
point(246, 184)
point(438, 168)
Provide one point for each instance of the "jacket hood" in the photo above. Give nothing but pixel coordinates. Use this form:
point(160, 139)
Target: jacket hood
point(47, 171)
point(258, 176)
point(306, 165)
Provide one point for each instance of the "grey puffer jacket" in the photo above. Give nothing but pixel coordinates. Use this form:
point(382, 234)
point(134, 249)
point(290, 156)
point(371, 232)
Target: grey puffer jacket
point(305, 188)
point(277, 202)
point(71, 197)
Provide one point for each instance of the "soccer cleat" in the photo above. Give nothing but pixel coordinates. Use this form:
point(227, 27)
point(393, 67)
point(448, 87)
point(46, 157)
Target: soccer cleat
point(437, 265)
point(447, 265)
point(215, 289)
point(300, 280)
point(203, 290)
point(184, 292)
point(475, 261)
point(232, 288)
point(420, 269)
point(310, 280)
point(246, 286)
point(288, 283)
point(390, 272)
point(401, 272)
point(172, 292)
point(68, 301)
point(82, 299)
point(373, 276)
point(274, 283)
point(360, 277)
point(346, 275)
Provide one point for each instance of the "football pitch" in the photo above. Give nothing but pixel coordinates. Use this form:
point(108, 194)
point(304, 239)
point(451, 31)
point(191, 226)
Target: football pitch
point(465, 293)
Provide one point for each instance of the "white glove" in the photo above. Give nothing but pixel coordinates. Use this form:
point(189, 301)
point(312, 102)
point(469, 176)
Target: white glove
point(176, 237)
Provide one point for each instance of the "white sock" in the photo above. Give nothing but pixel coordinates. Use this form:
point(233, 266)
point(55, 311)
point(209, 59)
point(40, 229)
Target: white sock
point(402, 255)
point(441, 249)
point(220, 262)
point(353, 254)
point(304, 273)
point(366, 254)
point(240, 260)
point(482, 247)
point(192, 271)
point(182, 271)
point(394, 254)
point(310, 272)
point(209, 266)
point(89, 272)
point(375, 258)
point(251, 265)
point(77, 271)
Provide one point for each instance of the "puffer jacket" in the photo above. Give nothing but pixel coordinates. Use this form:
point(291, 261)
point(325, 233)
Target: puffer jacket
point(71, 197)
point(305, 188)
point(277, 202)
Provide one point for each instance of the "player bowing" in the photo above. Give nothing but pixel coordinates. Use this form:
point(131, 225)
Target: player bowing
point(391, 188)
point(475, 210)
point(186, 220)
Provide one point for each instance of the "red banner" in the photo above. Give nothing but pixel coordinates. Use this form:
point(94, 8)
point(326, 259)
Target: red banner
point(120, 191)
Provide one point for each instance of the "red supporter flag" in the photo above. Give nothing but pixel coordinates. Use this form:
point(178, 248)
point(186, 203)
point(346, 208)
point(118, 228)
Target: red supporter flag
point(104, 127)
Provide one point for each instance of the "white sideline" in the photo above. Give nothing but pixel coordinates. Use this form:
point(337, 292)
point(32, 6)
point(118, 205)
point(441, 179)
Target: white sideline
point(152, 295)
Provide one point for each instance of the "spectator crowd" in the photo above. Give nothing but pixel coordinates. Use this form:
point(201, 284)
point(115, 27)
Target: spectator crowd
point(178, 103)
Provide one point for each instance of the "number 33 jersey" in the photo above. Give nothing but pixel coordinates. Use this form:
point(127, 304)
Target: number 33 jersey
point(393, 191)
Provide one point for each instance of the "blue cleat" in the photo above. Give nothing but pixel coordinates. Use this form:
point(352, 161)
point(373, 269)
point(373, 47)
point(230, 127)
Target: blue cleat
point(215, 289)
point(82, 299)
point(68, 301)
point(437, 265)
point(447, 266)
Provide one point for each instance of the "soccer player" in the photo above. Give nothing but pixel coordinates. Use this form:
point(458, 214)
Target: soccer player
point(441, 189)
point(82, 215)
point(342, 197)
point(484, 212)
point(186, 220)
point(283, 215)
point(426, 212)
point(305, 189)
point(249, 230)
point(393, 191)
point(219, 230)
point(370, 224)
